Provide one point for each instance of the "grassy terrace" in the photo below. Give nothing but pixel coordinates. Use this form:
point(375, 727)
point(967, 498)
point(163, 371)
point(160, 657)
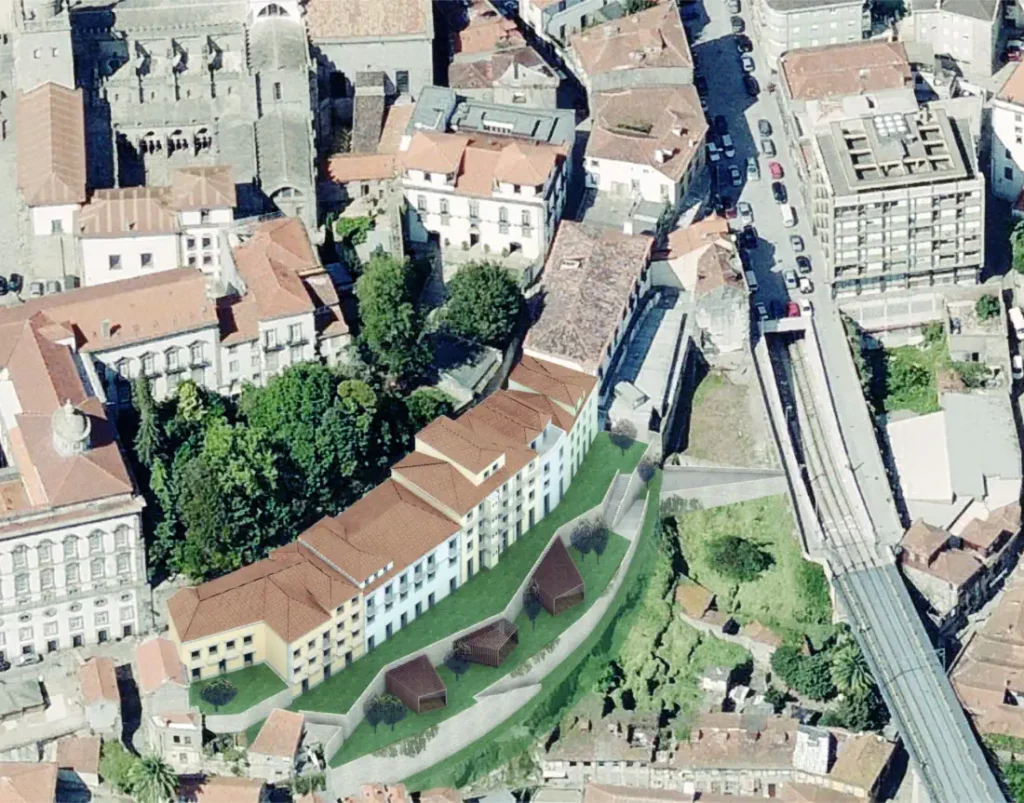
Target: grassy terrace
point(461, 691)
point(487, 593)
point(254, 683)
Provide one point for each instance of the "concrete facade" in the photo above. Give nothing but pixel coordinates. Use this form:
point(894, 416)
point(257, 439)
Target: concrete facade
point(784, 25)
point(966, 30)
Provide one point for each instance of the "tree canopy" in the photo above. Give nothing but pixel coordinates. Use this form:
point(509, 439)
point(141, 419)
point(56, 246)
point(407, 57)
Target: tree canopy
point(484, 305)
point(153, 781)
point(391, 328)
point(1017, 246)
point(737, 558)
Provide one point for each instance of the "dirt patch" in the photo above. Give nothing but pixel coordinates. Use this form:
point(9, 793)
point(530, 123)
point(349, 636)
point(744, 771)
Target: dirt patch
point(727, 423)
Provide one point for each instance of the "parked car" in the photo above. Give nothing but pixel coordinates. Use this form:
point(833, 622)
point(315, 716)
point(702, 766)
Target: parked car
point(806, 285)
point(753, 169)
point(775, 169)
point(721, 124)
point(796, 242)
point(1017, 366)
point(728, 146)
point(36, 289)
point(748, 237)
point(767, 147)
point(747, 62)
point(746, 213)
point(789, 277)
point(803, 265)
point(4, 664)
point(743, 43)
point(788, 215)
point(764, 127)
point(16, 282)
point(751, 86)
point(762, 311)
point(779, 192)
point(792, 309)
point(714, 154)
point(734, 176)
point(734, 6)
point(1014, 49)
point(806, 307)
point(3, 286)
point(28, 659)
point(738, 25)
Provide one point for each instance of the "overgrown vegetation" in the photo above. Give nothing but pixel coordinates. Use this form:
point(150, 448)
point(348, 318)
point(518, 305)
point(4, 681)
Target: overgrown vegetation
point(147, 779)
point(1017, 245)
point(987, 307)
point(352, 230)
point(737, 558)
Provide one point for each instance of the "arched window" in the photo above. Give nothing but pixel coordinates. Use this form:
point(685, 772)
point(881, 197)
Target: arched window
point(72, 574)
point(121, 533)
point(172, 359)
point(124, 563)
point(45, 552)
point(21, 584)
point(96, 568)
point(272, 10)
point(95, 542)
point(70, 547)
point(46, 579)
point(20, 557)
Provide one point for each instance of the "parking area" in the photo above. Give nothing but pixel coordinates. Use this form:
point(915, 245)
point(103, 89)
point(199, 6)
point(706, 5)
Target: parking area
point(751, 163)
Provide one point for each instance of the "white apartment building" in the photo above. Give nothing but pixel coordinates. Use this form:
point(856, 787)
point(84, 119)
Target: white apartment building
point(554, 21)
point(782, 26)
point(646, 143)
point(173, 324)
point(966, 30)
point(1007, 143)
point(503, 193)
point(72, 561)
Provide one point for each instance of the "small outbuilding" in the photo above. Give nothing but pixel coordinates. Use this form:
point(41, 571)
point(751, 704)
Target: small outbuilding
point(417, 684)
point(78, 760)
point(489, 645)
point(557, 582)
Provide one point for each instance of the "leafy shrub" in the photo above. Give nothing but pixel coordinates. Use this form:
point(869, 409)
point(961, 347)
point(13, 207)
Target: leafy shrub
point(737, 558)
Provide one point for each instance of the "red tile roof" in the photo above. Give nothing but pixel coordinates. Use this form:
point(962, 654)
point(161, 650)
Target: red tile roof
point(158, 663)
point(51, 145)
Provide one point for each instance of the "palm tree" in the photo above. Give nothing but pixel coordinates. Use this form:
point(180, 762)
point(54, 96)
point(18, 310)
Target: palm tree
point(153, 781)
point(850, 671)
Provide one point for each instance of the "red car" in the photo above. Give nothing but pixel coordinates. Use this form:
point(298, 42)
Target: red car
point(775, 169)
point(730, 212)
point(792, 309)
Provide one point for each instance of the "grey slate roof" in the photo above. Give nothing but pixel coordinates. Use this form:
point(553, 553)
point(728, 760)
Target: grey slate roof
point(982, 440)
point(284, 151)
point(277, 44)
point(368, 112)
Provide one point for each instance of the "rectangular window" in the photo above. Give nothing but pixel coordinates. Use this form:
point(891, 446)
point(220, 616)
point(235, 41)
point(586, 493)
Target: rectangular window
point(102, 618)
point(25, 633)
point(77, 623)
point(1008, 173)
point(295, 354)
point(295, 333)
point(444, 206)
point(421, 203)
point(146, 260)
point(402, 81)
point(526, 218)
point(56, 227)
point(50, 629)
point(114, 260)
point(277, 90)
point(474, 210)
point(127, 613)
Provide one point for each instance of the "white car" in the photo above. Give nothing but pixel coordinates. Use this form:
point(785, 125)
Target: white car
point(747, 62)
point(762, 311)
point(713, 153)
point(806, 286)
point(806, 307)
point(746, 213)
point(1017, 366)
point(734, 174)
point(28, 659)
point(728, 147)
point(789, 277)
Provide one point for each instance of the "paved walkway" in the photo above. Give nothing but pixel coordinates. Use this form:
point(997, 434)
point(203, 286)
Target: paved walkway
point(498, 701)
point(718, 486)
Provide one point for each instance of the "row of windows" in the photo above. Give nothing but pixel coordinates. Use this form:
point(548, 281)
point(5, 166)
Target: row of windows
point(75, 624)
point(45, 551)
point(229, 646)
point(73, 573)
point(525, 218)
point(174, 360)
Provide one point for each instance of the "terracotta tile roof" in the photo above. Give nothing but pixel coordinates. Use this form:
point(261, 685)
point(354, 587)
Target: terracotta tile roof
point(561, 384)
point(222, 789)
point(136, 310)
point(654, 38)
point(728, 741)
point(158, 663)
point(697, 235)
point(396, 120)
point(203, 187)
point(45, 378)
point(478, 162)
point(389, 525)
point(293, 591)
point(923, 541)
point(694, 599)
point(238, 320)
point(458, 444)
point(192, 718)
point(516, 417)
point(662, 127)
point(127, 212)
point(372, 19)
point(79, 753)
point(280, 735)
point(817, 73)
point(271, 263)
point(380, 793)
point(481, 71)
point(588, 279)
point(717, 267)
point(28, 783)
point(51, 145)
point(485, 30)
point(99, 681)
point(345, 167)
point(860, 760)
point(1013, 89)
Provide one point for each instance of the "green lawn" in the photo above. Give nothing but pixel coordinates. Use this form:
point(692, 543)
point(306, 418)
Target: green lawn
point(565, 686)
point(791, 596)
point(254, 683)
point(532, 639)
point(488, 592)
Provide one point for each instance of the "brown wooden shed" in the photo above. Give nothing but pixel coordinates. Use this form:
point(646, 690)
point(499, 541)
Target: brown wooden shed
point(417, 684)
point(557, 582)
point(489, 645)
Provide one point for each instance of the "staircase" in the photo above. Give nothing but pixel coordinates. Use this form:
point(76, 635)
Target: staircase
point(615, 497)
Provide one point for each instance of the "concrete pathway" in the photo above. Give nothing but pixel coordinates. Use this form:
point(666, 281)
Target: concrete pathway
point(498, 701)
point(718, 486)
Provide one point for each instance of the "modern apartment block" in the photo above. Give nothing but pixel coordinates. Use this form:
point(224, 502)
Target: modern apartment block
point(966, 30)
point(898, 202)
point(471, 487)
point(785, 25)
point(72, 564)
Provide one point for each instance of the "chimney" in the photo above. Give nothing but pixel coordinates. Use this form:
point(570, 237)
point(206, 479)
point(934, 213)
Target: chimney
point(105, 328)
point(659, 156)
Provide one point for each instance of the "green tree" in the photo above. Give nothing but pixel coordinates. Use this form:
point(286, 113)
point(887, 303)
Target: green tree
point(484, 305)
point(148, 436)
point(1013, 774)
point(850, 672)
point(635, 6)
point(1017, 246)
point(426, 404)
point(153, 781)
point(904, 377)
point(218, 692)
point(776, 698)
point(972, 374)
point(737, 558)
point(623, 434)
point(987, 307)
point(116, 765)
point(808, 675)
point(391, 327)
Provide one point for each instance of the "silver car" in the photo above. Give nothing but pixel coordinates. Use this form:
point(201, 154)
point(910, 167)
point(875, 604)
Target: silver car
point(789, 277)
point(748, 63)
